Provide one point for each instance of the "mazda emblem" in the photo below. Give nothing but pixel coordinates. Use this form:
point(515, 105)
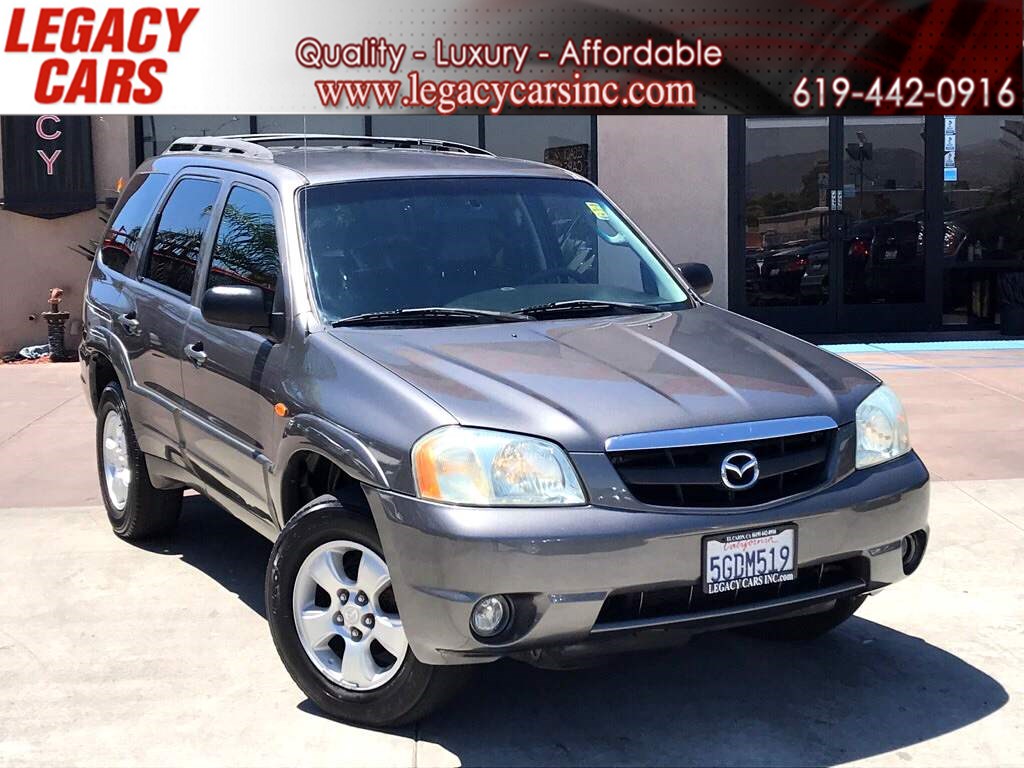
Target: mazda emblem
point(740, 470)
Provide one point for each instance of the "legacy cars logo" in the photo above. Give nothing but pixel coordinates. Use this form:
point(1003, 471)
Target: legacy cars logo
point(740, 470)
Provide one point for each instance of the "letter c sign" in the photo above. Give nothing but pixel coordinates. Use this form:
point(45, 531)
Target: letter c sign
point(41, 131)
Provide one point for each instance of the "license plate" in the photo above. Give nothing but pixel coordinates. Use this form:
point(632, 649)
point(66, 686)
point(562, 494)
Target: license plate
point(747, 559)
point(774, 272)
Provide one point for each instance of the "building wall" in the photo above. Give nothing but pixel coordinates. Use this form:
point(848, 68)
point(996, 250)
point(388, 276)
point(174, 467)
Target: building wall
point(37, 255)
point(669, 174)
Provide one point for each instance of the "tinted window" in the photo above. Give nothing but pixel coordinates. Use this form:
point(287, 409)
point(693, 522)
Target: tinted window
point(787, 259)
point(137, 202)
point(246, 248)
point(983, 237)
point(179, 234)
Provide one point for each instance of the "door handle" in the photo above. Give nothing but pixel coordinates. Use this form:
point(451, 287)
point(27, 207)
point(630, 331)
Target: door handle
point(130, 323)
point(194, 352)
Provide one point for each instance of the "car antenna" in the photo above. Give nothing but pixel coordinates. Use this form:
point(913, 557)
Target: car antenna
point(305, 146)
point(305, 172)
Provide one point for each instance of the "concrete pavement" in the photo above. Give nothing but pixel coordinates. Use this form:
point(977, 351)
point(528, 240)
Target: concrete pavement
point(112, 654)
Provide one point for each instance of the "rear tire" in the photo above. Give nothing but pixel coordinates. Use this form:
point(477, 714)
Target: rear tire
point(808, 627)
point(386, 690)
point(136, 509)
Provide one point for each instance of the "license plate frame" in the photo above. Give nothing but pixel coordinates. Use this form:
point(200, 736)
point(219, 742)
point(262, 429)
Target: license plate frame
point(781, 533)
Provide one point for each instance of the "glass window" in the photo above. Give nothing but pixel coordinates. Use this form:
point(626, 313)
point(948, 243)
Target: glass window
point(499, 244)
point(562, 140)
point(883, 195)
point(246, 249)
point(787, 177)
point(179, 234)
point(983, 245)
point(347, 125)
point(158, 131)
point(461, 128)
point(133, 210)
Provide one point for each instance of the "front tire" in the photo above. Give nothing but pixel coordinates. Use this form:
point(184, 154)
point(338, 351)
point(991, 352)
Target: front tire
point(336, 626)
point(136, 509)
point(809, 627)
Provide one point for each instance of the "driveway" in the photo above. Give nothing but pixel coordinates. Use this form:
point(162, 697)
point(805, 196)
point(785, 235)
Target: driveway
point(114, 654)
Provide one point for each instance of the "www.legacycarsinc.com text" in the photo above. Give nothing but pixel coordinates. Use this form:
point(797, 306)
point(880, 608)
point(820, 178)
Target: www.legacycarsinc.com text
point(448, 95)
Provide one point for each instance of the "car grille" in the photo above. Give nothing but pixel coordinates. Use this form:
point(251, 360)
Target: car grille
point(690, 476)
point(690, 601)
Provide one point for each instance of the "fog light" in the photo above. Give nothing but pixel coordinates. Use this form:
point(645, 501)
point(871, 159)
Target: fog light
point(913, 551)
point(490, 616)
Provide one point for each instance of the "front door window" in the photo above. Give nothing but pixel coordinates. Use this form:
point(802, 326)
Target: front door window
point(245, 252)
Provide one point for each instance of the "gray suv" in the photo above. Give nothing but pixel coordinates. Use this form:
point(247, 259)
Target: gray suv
point(478, 413)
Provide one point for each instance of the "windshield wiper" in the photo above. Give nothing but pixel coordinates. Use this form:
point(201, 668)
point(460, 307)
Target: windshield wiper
point(397, 316)
point(586, 306)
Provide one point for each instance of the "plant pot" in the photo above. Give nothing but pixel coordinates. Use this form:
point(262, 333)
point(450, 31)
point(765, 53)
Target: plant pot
point(55, 334)
point(1012, 319)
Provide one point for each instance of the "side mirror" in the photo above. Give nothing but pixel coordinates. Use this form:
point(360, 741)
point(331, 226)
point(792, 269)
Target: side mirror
point(236, 306)
point(698, 276)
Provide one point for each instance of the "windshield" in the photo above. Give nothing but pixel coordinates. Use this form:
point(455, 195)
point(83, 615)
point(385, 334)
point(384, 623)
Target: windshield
point(496, 244)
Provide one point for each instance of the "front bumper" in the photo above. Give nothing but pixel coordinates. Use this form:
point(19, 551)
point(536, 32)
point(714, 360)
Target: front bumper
point(562, 564)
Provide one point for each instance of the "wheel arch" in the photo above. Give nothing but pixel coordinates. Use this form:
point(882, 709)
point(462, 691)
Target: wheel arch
point(318, 457)
point(102, 372)
point(309, 474)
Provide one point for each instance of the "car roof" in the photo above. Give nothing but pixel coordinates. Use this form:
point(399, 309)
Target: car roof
point(331, 164)
point(322, 164)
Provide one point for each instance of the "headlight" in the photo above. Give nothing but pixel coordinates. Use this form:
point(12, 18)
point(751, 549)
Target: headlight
point(882, 430)
point(484, 468)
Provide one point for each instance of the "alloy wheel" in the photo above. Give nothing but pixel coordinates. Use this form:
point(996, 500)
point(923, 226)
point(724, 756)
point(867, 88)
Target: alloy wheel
point(117, 471)
point(346, 617)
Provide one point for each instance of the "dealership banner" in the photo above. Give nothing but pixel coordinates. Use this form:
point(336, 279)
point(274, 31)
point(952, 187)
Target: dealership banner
point(47, 165)
point(483, 57)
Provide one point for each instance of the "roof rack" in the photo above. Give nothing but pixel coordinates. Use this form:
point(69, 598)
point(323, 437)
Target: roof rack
point(253, 145)
point(224, 145)
point(334, 139)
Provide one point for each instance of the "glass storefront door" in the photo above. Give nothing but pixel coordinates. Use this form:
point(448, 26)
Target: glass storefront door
point(788, 254)
point(835, 236)
point(883, 237)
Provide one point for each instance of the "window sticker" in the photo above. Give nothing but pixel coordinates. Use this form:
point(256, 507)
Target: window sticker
point(598, 210)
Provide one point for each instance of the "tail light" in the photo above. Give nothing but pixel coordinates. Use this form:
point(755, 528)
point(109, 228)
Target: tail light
point(859, 249)
point(799, 264)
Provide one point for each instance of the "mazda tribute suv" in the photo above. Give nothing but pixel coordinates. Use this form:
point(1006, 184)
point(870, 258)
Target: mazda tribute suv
point(479, 414)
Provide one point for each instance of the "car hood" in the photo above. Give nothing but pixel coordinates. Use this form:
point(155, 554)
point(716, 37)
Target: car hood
point(581, 381)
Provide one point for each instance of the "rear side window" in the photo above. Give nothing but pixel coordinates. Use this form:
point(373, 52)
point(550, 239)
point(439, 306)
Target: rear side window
point(246, 249)
point(137, 202)
point(179, 234)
